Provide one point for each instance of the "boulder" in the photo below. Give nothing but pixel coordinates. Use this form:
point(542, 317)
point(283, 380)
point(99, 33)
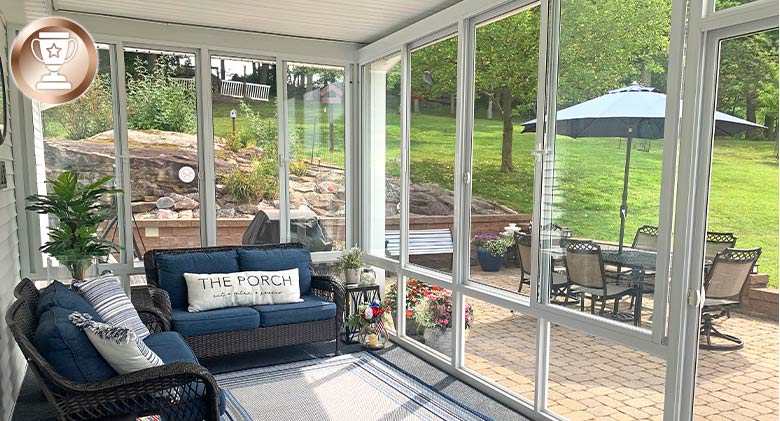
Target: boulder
point(247, 209)
point(186, 204)
point(165, 202)
point(141, 207)
point(166, 214)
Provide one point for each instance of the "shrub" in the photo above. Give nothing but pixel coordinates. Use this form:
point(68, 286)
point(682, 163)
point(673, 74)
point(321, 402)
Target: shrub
point(298, 167)
point(87, 116)
point(233, 142)
point(157, 101)
point(249, 187)
point(260, 132)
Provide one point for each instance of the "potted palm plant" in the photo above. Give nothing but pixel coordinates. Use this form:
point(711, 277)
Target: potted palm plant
point(78, 211)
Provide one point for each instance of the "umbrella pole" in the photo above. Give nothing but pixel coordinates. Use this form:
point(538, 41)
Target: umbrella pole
point(624, 203)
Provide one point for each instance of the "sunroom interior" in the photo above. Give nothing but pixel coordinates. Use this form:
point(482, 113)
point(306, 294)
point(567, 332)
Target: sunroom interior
point(577, 181)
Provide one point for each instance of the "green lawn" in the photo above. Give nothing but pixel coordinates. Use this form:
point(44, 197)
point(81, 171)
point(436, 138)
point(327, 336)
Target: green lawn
point(743, 199)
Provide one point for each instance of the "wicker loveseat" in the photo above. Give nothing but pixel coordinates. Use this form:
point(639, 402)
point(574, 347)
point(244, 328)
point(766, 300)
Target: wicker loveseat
point(235, 330)
point(179, 390)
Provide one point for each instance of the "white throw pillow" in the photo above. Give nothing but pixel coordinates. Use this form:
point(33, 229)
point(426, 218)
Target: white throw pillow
point(118, 345)
point(207, 291)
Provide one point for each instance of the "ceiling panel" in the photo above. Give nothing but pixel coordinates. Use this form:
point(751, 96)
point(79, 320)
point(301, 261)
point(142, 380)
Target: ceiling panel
point(362, 21)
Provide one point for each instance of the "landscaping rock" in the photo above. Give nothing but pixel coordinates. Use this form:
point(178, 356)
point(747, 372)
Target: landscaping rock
point(186, 204)
point(165, 202)
point(141, 207)
point(247, 209)
point(186, 214)
point(166, 214)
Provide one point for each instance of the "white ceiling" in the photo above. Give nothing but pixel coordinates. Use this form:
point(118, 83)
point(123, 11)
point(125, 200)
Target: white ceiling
point(362, 21)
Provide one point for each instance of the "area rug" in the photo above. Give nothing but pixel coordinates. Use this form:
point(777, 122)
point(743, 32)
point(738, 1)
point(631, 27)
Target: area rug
point(359, 386)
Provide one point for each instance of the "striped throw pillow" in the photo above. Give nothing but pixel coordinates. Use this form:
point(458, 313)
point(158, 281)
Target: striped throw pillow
point(109, 300)
point(118, 345)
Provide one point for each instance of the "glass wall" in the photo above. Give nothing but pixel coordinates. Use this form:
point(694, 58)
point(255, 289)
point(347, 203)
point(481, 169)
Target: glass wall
point(162, 125)
point(432, 154)
point(737, 376)
point(315, 107)
point(246, 147)
point(602, 176)
point(79, 137)
point(502, 167)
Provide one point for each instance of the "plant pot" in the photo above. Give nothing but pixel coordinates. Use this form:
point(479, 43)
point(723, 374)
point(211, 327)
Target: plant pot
point(352, 276)
point(441, 340)
point(489, 262)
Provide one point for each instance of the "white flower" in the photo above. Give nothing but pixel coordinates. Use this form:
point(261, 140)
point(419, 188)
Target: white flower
point(368, 314)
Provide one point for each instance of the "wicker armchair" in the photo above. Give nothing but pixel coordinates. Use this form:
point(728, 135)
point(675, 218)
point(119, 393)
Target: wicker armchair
point(154, 303)
point(178, 392)
point(587, 277)
point(722, 286)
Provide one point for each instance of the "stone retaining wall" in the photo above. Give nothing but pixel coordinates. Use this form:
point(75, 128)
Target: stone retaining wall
point(757, 298)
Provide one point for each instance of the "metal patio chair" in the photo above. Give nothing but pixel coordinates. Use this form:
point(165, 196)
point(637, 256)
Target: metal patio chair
point(587, 277)
point(559, 279)
point(722, 287)
point(718, 242)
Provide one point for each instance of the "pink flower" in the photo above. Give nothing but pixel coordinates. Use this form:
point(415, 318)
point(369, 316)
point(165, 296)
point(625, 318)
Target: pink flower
point(444, 321)
point(331, 189)
point(430, 297)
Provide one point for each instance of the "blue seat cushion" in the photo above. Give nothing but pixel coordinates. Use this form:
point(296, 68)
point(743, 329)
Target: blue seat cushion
point(60, 295)
point(171, 269)
point(279, 259)
point(214, 321)
point(170, 347)
point(312, 308)
point(68, 349)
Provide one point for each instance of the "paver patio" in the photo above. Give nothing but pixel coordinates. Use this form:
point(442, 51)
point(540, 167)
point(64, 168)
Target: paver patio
point(592, 378)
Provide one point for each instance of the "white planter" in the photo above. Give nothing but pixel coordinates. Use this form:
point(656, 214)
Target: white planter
point(441, 341)
point(352, 276)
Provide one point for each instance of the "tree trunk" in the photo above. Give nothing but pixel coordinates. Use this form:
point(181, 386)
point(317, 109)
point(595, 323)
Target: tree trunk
point(490, 108)
point(330, 128)
point(750, 113)
point(506, 144)
point(264, 74)
point(646, 75)
point(416, 106)
point(769, 122)
point(222, 69)
point(309, 81)
point(452, 103)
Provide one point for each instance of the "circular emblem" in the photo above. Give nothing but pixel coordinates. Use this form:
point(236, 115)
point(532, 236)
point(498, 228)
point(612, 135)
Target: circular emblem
point(186, 174)
point(53, 60)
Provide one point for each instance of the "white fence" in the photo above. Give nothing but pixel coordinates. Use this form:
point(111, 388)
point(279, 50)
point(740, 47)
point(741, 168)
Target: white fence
point(253, 91)
point(231, 88)
point(257, 91)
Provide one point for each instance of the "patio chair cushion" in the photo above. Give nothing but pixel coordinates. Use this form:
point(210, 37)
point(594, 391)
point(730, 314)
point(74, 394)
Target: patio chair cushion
point(68, 349)
point(719, 302)
point(171, 268)
point(278, 259)
point(214, 321)
point(612, 290)
point(312, 308)
point(59, 295)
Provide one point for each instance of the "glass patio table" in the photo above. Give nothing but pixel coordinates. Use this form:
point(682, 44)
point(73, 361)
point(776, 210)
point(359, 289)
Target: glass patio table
point(640, 262)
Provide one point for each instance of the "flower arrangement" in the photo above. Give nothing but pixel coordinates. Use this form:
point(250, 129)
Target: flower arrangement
point(497, 245)
point(435, 311)
point(351, 259)
point(415, 292)
point(367, 313)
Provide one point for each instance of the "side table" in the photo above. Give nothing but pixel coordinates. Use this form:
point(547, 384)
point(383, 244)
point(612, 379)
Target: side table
point(356, 295)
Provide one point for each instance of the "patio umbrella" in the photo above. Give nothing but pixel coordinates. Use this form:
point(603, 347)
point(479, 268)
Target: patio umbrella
point(635, 111)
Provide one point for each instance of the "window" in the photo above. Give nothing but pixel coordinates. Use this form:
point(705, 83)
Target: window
point(315, 106)
point(502, 184)
point(432, 154)
point(163, 144)
point(79, 137)
point(246, 144)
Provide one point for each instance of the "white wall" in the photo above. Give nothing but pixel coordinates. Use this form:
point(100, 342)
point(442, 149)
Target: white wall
point(12, 364)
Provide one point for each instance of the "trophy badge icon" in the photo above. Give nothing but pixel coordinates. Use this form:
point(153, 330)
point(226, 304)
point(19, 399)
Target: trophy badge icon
point(54, 49)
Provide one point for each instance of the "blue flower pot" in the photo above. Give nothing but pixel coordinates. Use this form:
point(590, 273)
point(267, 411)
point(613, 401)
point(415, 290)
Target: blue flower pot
point(488, 262)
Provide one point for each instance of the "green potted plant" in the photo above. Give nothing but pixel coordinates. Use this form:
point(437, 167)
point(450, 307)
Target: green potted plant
point(491, 250)
point(350, 263)
point(434, 314)
point(78, 211)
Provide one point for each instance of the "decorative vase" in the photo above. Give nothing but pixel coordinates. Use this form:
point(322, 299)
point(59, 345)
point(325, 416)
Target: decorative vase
point(367, 277)
point(352, 276)
point(373, 335)
point(488, 262)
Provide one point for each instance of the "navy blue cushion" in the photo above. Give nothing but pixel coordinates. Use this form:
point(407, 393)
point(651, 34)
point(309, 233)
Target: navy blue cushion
point(279, 259)
point(171, 269)
point(312, 308)
point(59, 295)
point(214, 321)
point(170, 347)
point(68, 349)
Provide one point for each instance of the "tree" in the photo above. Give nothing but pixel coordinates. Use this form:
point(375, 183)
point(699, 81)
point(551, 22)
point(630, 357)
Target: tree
point(440, 61)
point(506, 65)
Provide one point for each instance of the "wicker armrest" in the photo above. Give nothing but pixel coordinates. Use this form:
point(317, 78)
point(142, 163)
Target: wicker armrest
point(153, 306)
point(181, 391)
point(330, 288)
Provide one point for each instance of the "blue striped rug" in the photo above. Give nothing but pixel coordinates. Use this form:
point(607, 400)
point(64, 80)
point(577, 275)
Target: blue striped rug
point(359, 386)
